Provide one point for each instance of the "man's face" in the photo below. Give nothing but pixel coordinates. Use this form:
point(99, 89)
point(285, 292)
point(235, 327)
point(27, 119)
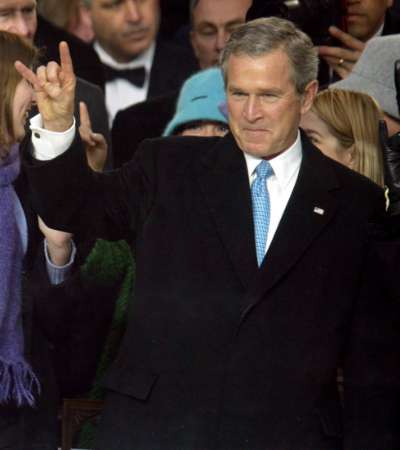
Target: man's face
point(125, 28)
point(365, 17)
point(264, 107)
point(19, 17)
point(213, 22)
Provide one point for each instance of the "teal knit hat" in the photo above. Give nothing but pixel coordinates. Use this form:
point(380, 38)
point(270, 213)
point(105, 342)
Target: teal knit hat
point(201, 97)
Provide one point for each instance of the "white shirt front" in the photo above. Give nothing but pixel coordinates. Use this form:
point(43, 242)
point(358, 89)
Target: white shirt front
point(120, 93)
point(286, 167)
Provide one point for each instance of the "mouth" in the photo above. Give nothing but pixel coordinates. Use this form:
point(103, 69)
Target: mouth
point(255, 134)
point(136, 34)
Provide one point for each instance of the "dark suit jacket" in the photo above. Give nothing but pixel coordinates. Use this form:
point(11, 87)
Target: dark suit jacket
point(392, 22)
point(219, 354)
point(144, 120)
point(171, 66)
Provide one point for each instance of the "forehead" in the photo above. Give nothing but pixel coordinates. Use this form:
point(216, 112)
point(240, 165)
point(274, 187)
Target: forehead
point(259, 73)
point(17, 4)
point(220, 11)
point(150, 4)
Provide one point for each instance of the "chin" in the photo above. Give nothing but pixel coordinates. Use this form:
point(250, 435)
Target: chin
point(256, 150)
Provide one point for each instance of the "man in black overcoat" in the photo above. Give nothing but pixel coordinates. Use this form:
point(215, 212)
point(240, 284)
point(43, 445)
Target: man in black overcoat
point(239, 323)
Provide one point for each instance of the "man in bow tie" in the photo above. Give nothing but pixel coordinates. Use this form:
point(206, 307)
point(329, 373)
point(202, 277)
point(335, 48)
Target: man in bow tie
point(137, 66)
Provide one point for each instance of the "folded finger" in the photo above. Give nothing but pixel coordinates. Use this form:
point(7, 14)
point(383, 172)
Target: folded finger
point(53, 72)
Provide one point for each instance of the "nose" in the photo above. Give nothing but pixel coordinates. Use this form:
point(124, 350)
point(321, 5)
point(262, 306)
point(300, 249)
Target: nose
point(20, 26)
point(209, 131)
point(252, 111)
point(221, 39)
point(132, 12)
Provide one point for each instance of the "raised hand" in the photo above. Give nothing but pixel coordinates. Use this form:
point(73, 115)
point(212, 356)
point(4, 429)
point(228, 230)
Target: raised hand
point(342, 59)
point(54, 86)
point(95, 144)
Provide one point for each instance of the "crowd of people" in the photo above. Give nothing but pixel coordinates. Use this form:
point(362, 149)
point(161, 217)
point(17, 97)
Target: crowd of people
point(200, 224)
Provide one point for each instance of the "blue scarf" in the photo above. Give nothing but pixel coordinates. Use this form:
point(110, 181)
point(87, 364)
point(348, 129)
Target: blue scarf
point(17, 380)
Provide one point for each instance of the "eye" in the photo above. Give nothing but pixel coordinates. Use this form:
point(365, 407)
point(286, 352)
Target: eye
point(207, 32)
point(270, 97)
point(113, 4)
point(29, 10)
point(5, 13)
point(222, 128)
point(237, 94)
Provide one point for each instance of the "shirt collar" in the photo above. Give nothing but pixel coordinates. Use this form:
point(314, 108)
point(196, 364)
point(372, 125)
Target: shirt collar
point(379, 32)
point(285, 165)
point(144, 59)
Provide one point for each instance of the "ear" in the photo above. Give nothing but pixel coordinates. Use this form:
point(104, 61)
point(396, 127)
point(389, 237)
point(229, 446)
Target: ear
point(308, 96)
point(350, 158)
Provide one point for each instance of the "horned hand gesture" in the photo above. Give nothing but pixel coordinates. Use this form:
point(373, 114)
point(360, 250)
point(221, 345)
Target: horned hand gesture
point(54, 86)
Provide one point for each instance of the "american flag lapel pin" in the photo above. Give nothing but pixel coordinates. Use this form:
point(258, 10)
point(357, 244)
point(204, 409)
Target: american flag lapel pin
point(319, 211)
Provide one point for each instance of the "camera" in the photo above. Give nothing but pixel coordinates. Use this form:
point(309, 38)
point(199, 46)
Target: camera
point(314, 17)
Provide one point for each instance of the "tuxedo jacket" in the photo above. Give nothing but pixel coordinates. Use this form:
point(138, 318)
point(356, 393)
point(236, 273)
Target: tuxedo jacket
point(171, 67)
point(218, 353)
point(86, 62)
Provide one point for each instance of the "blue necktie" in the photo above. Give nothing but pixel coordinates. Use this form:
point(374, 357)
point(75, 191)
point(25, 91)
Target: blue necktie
point(261, 207)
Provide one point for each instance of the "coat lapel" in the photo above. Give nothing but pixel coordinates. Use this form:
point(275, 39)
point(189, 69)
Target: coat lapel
point(311, 207)
point(224, 181)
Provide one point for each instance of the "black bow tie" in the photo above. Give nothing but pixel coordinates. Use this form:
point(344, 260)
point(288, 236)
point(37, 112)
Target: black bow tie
point(135, 76)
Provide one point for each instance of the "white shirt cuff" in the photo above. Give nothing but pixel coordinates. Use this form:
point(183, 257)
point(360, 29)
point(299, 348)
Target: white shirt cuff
point(49, 144)
point(57, 274)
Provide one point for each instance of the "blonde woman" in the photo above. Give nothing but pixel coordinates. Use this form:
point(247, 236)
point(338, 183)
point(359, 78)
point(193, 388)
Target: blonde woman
point(344, 125)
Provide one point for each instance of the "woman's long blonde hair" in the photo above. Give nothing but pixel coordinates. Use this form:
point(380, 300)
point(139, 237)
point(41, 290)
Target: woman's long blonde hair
point(12, 48)
point(353, 119)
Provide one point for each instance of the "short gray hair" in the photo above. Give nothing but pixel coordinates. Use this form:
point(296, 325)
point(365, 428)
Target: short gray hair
point(262, 36)
point(87, 3)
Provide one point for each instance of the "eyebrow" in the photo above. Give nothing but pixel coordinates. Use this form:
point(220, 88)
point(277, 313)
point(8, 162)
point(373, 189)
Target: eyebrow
point(206, 23)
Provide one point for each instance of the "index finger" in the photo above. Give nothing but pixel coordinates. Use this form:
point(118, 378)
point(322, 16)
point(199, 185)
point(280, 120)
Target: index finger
point(65, 59)
point(28, 74)
point(84, 116)
point(346, 38)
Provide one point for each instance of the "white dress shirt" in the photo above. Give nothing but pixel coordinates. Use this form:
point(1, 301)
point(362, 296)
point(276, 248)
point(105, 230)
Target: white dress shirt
point(280, 185)
point(120, 93)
